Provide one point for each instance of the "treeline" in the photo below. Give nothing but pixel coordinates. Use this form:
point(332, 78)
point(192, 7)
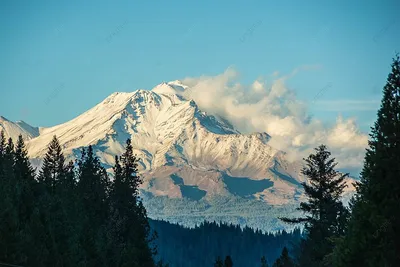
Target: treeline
point(71, 214)
point(200, 246)
point(368, 233)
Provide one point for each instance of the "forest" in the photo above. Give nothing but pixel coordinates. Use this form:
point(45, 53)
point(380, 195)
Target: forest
point(201, 246)
point(74, 214)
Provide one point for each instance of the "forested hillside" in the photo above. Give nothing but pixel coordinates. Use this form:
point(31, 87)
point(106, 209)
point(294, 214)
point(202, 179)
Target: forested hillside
point(200, 246)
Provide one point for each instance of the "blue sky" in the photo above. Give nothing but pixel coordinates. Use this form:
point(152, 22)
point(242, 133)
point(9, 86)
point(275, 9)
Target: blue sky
point(60, 59)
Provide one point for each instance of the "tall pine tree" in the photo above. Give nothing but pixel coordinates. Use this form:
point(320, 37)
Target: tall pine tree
point(129, 227)
point(58, 205)
point(228, 261)
point(324, 209)
point(53, 168)
point(31, 250)
point(284, 260)
point(8, 212)
point(93, 211)
point(373, 235)
point(218, 262)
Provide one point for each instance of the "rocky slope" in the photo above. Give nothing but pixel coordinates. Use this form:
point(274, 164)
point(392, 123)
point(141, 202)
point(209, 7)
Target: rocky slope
point(195, 166)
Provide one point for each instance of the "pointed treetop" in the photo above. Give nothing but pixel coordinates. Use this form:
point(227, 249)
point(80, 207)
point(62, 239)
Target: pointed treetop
point(264, 262)
point(10, 146)
point(53, 169)
point(22, 164)
point(228, 261)
point(219, 262)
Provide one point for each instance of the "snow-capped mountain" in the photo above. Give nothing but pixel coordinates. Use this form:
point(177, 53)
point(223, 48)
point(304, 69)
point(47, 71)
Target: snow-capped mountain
point(14, 129)
point(195, 166)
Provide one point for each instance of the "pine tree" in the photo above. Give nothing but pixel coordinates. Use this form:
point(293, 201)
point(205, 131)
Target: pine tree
point(22, 166)
point(116, 221)
point(219, 262)
point(129, 225)
point(264, 262)
point(53, 168)
point(8, 211)
point(57, 205)
point(92, 184)
point(93, 212)
point(284, 260)
point(29, 230)
point(228, 261)
point(25, 178)
point(373, 235)
point(324, 209)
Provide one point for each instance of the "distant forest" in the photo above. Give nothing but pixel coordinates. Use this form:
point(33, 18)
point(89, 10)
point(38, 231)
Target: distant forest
point(200, 246)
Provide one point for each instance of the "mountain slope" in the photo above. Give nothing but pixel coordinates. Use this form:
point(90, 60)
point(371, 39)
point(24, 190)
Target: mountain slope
point(14, 129)
point(195, 166)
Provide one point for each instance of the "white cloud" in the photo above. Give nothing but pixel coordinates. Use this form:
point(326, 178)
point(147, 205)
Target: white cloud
point(269, 106)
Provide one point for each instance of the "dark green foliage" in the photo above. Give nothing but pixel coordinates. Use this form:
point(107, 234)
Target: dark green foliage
point(219, 262)
point(8, 212)
point(125, 208)
point(53, 169)
point(228, 261)
point(200, 246)
point(18, 224)
point(264, 262)
point(62, 218)
point(325, 214)
point(284, 260)
point(373, 234)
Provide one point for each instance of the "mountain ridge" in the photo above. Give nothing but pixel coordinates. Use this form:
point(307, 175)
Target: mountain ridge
point(185, 153)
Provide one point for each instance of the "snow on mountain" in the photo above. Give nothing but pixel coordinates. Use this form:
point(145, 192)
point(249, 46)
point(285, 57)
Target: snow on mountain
point(190, 160)
point(14, 129)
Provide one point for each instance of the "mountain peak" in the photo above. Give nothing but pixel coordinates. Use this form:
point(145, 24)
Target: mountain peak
point(14, 129)
point(170, 88)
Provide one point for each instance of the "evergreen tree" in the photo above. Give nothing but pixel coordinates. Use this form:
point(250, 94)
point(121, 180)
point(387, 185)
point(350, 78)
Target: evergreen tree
point(8, 211)
point(30, 250)
point(57, 205)
point(128, 226)
point(219, 262)
point(324, 209)
point(373, 235)
point(264, 262)
point(92, 196)
point(284, 260)
point(228, 261)
point(92, 184)
point(25, 178)
point(53, 168)
point(22, 166)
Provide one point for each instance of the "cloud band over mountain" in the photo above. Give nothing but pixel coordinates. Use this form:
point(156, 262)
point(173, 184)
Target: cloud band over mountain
point(270, 106)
